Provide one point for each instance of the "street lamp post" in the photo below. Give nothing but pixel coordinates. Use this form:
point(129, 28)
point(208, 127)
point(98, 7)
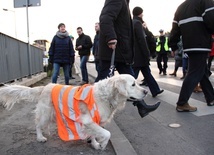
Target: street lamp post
point(14, 19)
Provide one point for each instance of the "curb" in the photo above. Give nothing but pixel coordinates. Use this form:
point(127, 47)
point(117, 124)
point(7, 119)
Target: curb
point(120, 143)
point(30, 81)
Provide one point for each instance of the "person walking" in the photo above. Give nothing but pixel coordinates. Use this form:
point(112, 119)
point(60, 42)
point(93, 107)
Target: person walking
point(162, 50)
point(142, 53)
point(72, 61)
point(83, 45)
point(178, 58)
point(200, 15)
point(61, 53)
point(95, 47)
point(116, 33)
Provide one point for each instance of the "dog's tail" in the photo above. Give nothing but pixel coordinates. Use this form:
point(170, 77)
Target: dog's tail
point(11, 94)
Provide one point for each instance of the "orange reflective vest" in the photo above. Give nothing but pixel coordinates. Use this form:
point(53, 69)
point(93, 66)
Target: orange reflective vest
point(66, 100)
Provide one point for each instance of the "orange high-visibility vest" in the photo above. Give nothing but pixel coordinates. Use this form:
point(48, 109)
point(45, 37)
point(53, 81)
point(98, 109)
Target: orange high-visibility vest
point(66, 100)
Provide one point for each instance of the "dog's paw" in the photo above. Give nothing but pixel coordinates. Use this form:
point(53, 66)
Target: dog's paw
point(41, 139)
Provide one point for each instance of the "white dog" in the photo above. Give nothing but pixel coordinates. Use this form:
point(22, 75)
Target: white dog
point(109, 95)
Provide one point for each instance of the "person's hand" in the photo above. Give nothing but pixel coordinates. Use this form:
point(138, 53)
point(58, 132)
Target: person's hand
point(79, 47)
point(112, 44)
point(172, 53)
point(50, 60)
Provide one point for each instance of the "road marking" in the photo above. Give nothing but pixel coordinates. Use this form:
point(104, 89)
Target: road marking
point(171, 98)
point(171, 81)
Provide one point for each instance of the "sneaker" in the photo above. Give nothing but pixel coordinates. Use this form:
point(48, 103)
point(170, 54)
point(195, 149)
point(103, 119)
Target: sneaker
point(186, 108)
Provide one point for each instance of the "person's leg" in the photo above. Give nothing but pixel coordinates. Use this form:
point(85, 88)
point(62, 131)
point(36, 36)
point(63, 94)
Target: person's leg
point(83, 67)
point(159, 60)
point(196, 71)
point(207, 87)
point(56, 68)
point(152, 84)
point(66, 68)
point(103, 70)
point(122, 68)
point(136, 72)
point(165, 60)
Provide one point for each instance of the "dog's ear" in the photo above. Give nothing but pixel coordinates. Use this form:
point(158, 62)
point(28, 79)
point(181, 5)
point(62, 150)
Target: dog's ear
point(120, 85)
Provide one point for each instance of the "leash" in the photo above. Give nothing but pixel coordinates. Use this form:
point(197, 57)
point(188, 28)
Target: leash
point(112, 66)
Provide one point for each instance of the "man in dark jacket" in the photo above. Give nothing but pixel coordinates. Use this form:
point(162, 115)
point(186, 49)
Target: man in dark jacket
point(61, 53)
point(116, 33)
point(194, 21)
point(83, 45)
point(142, 54)
point(95, 46)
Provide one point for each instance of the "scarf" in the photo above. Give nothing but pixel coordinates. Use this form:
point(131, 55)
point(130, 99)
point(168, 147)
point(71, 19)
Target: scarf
point(62, 34)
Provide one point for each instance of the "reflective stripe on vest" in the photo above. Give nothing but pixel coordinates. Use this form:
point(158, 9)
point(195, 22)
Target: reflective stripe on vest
point(66, 100)
point(166, 47)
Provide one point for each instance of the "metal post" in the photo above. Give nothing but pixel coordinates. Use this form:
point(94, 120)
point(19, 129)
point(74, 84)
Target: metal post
point(28, 36)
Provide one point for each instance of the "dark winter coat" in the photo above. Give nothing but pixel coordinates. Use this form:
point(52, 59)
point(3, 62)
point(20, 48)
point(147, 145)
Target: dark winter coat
point(194, 20)
point(96, 46)
point(61, 50)
point(142, 53)
point(116, 23)
point(86, 43)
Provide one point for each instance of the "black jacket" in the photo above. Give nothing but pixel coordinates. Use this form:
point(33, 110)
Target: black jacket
point(86, 43)
point(194, 20)
point(116, 23)
point(142, 53)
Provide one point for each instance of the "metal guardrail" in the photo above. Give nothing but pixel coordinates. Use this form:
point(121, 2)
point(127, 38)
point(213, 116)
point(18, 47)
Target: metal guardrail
point(14, 63)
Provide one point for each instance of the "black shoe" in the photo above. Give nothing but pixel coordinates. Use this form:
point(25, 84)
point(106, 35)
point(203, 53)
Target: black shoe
point(164, 73)
point(144, 109)
point(72, 77)
point(161, 91)
point(160, 71)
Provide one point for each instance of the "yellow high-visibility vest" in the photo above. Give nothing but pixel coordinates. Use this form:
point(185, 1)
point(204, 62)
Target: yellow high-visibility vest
point(166, 47)
point(66, 104)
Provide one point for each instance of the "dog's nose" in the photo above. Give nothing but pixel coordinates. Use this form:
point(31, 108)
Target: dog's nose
point(145, 91)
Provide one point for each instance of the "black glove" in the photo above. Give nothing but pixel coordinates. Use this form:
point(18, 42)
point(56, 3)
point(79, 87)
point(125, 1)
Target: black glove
point(50, 60)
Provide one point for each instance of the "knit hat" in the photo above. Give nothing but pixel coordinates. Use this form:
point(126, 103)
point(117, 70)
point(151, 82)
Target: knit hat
point(61, 24)
point(137, 11)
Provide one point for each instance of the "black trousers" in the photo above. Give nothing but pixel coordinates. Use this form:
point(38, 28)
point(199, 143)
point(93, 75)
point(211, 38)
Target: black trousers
point(162, 57)
point(197, 72)
point(149, 79)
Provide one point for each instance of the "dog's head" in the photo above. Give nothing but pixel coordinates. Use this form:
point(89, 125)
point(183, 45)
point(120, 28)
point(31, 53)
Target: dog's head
point(127, 86)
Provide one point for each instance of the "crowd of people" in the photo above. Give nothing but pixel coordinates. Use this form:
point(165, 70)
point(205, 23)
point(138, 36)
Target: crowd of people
point(134, 46)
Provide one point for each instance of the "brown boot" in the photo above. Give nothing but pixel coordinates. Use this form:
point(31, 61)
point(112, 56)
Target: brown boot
point(197, 89)
point(186, 108)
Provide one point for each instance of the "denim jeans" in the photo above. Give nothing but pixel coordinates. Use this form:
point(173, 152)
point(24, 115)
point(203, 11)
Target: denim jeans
point(83, 67)
point(56, 67)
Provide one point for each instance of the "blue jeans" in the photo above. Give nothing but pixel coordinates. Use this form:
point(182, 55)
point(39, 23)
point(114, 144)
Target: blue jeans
point(83, 67)
point(56, 67)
